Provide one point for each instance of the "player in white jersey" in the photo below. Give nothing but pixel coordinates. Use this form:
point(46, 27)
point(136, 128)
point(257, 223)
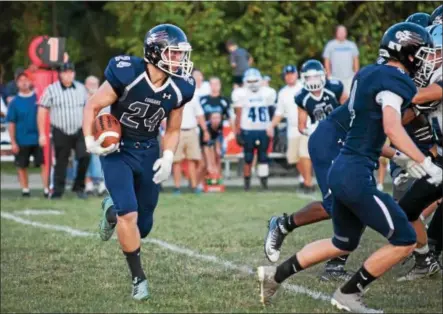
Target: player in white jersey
point(253, 105)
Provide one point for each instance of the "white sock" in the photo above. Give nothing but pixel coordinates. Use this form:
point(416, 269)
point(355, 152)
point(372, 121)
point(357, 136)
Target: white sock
point(46, 190)
point(422, 250)
point(89, 186)
point(26, 190)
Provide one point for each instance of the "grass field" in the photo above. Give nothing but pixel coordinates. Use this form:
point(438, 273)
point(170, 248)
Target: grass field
point(200, 258)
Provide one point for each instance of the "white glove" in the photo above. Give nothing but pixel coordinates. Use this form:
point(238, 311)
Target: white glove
point(401, 178)
point(310, 128)
point(413, 169)
point(435, 172)
point(94, 146)
point(163, 166)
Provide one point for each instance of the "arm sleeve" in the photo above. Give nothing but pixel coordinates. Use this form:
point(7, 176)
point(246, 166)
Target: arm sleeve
point(113, 78)
point(11, 116)
point(280, 108)
point(388, 98)
point(237, 98)
point(226, 111)
point(355, 51)
point(327, 51)
point(46, 99)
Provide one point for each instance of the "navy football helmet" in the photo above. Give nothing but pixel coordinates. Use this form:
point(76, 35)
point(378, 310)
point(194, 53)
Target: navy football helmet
point(411, 45)
point(166, 46)
point(420, 18)
point(436, 16)
point(313, 75)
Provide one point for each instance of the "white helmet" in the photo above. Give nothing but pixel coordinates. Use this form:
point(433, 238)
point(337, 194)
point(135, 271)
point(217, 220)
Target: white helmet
point(252, 79)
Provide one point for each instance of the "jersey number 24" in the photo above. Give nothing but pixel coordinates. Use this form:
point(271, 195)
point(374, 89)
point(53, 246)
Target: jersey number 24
point(139, 111)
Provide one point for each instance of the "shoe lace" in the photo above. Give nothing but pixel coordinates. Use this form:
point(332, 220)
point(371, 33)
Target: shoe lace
point(277, 237)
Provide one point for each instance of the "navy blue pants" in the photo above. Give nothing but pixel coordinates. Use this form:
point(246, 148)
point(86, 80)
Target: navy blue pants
point(357, 203)
point(324, 146)
point(128, 177)
point(255, 139)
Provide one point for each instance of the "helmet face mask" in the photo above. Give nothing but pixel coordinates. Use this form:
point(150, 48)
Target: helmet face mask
point(252, 79)
point(431, 57)
point(313, 80)
point(176, 60)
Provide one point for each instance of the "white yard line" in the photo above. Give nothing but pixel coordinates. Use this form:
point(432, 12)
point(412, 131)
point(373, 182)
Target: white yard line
point(38, 212)
point(171, 247)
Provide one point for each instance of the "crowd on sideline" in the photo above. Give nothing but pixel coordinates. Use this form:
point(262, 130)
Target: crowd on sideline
point(201, 146)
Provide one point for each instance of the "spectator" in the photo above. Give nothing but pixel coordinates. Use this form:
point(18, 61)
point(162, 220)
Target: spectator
point(65, 100)
point(23, 131)
point(202, 87)
point(297, 143)
point(94, 172)
point(266, 80)
point(188, 145)
point(216, 109)
point(240, 60)
point(341, 58)
point(11, 87)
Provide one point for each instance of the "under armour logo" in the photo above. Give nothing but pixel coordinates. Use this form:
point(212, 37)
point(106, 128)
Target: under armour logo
point(326, 97)
point(166, 96)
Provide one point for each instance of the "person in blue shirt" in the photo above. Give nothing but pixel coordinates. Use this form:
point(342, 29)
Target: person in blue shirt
point(141, 92)
point(378, 95)
point(22, 124)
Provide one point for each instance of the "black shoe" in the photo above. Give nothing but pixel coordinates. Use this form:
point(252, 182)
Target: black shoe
point(82, 195)
point(425, 266)
point(26, 194)
point(46, 194)
point(308, 189)
point(335, 272)
point(55, 196)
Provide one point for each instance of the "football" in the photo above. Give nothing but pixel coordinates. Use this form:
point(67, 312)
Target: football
point(108, 126)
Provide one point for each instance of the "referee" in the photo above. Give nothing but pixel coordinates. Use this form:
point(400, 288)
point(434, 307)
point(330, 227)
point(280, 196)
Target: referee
point(65, 100)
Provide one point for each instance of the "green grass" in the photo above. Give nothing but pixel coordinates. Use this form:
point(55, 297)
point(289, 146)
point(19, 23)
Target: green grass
point(50, 271)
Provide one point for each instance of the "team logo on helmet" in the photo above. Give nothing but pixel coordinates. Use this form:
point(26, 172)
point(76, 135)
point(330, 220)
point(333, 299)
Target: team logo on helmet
point(157, 36)
point(437, 20)
point(408, 37)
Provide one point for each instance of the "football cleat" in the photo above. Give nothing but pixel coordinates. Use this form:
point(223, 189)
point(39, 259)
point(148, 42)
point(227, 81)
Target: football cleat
point(268, 285)
point(351, 302)
point(106, 229)
point(274, 238)
point(140, 290)
point(425, 266)
point(335, 272)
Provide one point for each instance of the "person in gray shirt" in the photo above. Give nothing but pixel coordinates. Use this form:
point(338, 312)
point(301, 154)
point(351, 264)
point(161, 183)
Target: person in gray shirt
point(341, 58)
point(240, 60)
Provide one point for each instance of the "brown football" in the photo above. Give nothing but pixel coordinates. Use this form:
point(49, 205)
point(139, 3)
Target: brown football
point(108, 126)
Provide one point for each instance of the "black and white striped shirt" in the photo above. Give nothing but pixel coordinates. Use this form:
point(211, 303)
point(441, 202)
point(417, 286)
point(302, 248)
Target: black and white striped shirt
point(66, 105)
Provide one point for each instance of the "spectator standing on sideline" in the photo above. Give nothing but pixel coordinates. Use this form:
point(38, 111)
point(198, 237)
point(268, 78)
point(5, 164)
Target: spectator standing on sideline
point(94, 172)
point(23, 131)
point(65, 100)
point(297, 150)
point(240, 60)
point(341, 58)
point(189, 143)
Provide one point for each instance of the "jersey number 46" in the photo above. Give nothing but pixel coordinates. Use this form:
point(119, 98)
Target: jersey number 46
point(258, 112)
point(139, 111)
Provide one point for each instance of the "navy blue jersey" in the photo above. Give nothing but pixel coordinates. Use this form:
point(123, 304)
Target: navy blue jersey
point(366, 135)
point(318, 108)
point(217, 104)
point(341, 116)
point(141, 106)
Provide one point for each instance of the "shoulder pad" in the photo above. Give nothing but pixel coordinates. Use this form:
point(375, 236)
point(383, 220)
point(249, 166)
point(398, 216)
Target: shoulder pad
point(186, 86)
point(122, 71)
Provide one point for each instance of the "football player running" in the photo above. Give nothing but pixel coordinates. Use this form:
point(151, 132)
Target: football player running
point(141, 92)
point(422, 193)
point(318, 99)
point(378, 94)
point(253, 104)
